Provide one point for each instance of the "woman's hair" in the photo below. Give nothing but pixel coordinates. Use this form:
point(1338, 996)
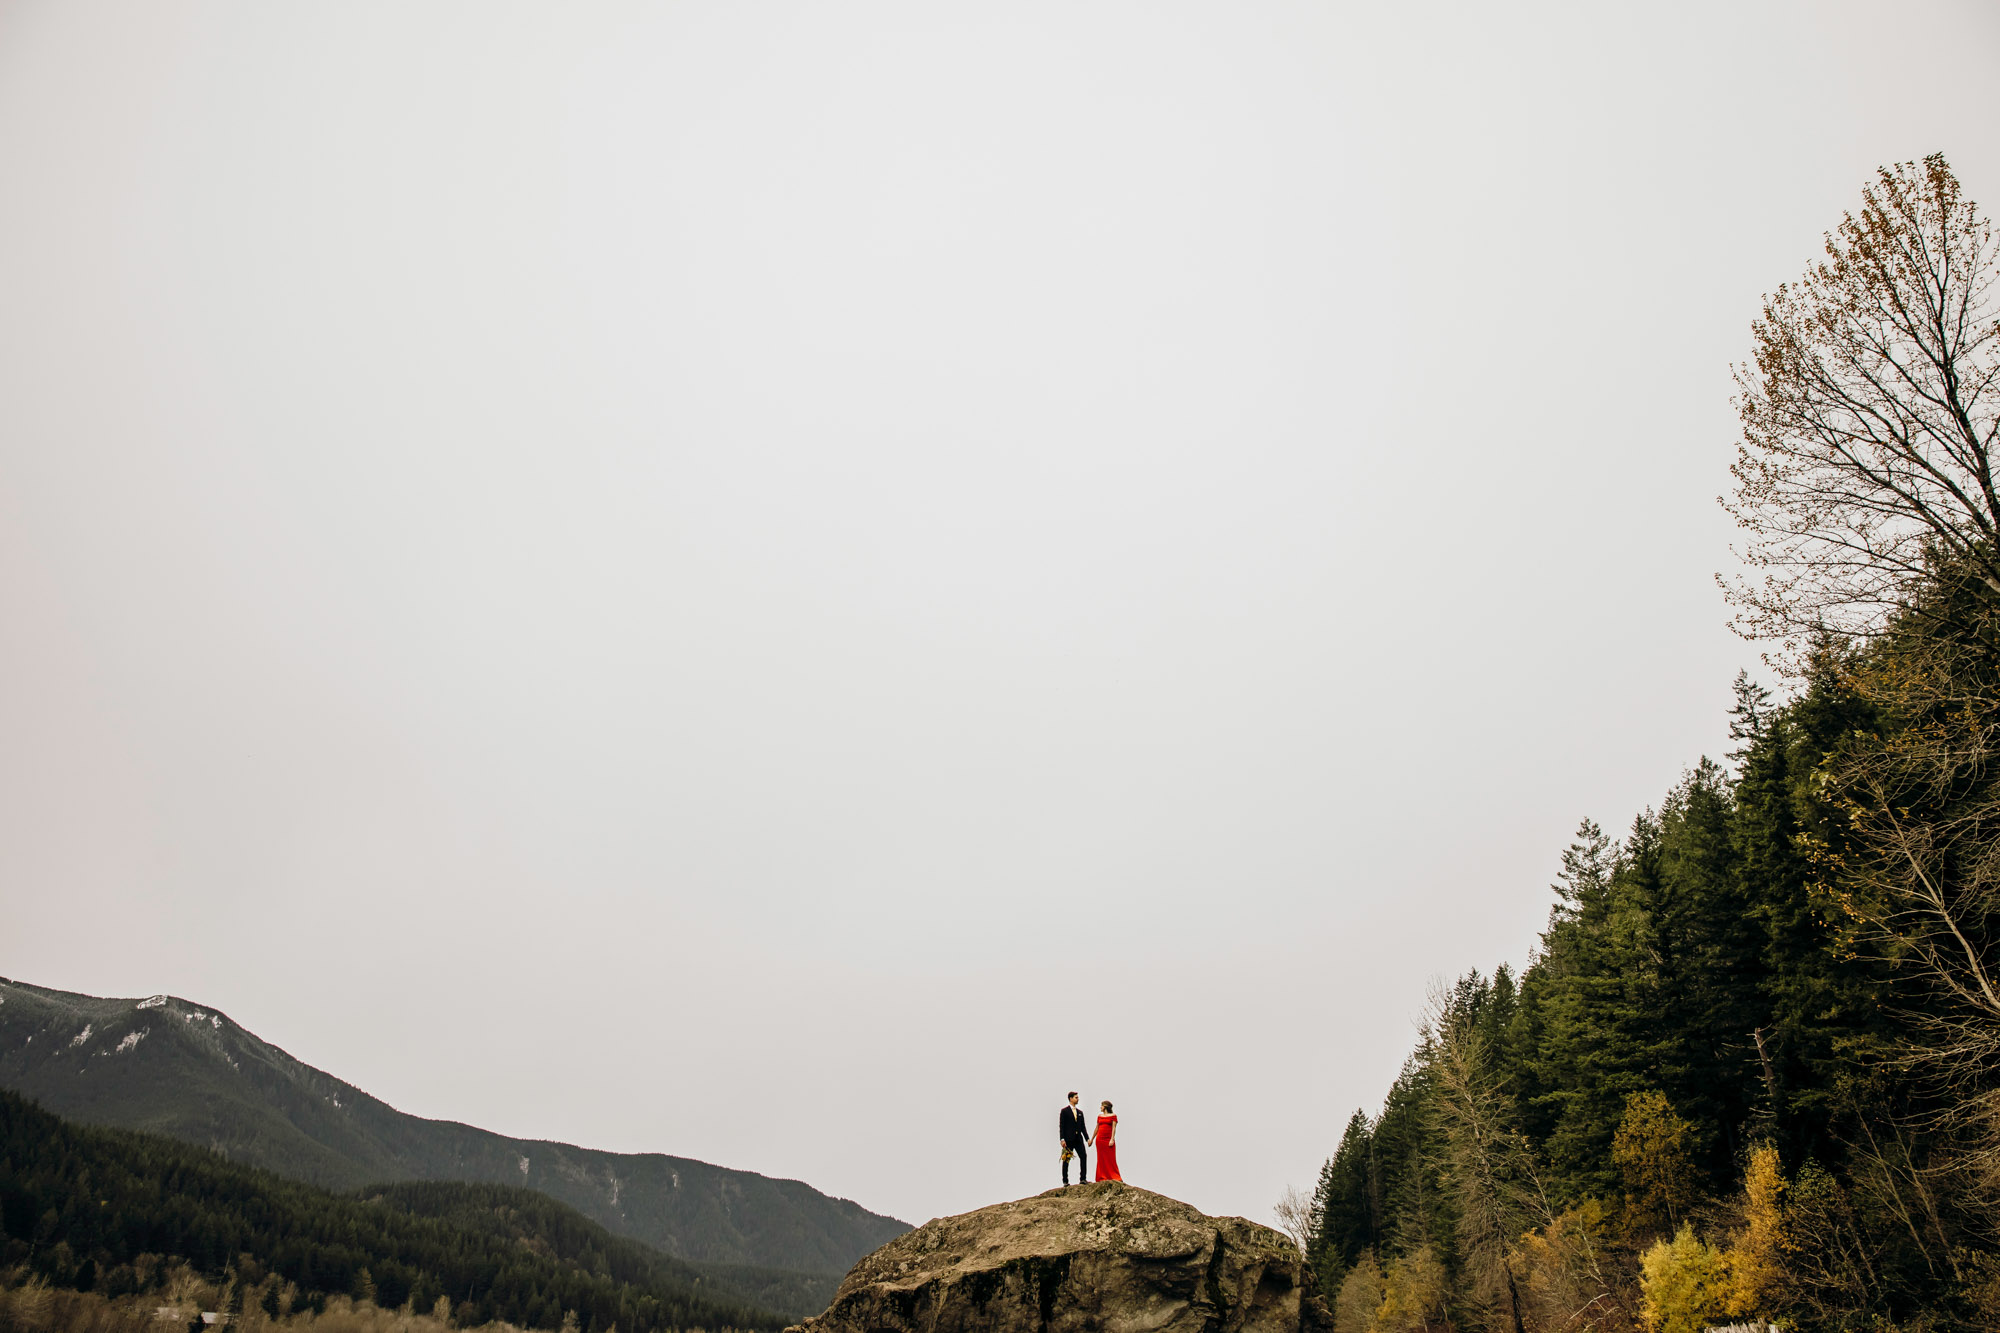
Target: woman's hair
point(1106, 1106)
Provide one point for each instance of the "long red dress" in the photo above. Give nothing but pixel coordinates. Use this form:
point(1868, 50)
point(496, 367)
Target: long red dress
point(1107, 1151)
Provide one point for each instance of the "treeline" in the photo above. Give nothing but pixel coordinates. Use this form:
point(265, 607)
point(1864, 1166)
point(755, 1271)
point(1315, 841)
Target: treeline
point(119, 1213)
point(1698, 994)
point(1752, 1071)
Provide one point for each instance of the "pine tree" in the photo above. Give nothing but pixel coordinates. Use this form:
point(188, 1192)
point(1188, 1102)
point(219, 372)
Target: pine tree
point(1345, 1207)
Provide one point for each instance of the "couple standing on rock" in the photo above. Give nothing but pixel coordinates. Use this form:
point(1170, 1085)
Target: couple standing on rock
point(1069, 1125)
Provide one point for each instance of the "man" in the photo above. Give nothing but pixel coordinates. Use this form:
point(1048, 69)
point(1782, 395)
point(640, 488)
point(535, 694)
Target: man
point(1069, 1127)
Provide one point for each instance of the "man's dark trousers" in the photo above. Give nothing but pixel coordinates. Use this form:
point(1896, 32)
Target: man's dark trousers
point(1082, 1164)
point(1070, 1126)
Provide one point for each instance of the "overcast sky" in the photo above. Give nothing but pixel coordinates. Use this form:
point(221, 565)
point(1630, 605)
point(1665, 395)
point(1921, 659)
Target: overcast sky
point(784, 583)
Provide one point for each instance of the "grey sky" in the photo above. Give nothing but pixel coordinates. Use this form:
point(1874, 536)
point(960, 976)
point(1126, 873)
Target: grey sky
point(785, 583)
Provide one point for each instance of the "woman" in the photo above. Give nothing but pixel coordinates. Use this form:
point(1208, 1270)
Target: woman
point(1107, 1145)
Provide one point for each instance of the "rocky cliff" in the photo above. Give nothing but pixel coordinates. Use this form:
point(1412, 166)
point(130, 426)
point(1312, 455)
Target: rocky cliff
point(1102, 1258)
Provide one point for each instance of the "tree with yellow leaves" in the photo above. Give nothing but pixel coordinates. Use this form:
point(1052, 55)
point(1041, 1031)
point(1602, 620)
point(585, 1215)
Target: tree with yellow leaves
point(1758, 1278)
point(1684, 1284)
point(1652, 1150)
point(1360, 1296)
point(1415, 1293)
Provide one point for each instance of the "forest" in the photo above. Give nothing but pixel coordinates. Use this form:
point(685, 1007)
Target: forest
point(1748, 1075)
point(103, 1217)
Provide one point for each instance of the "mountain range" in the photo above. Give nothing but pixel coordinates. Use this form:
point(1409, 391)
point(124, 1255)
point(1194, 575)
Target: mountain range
point(114, 1213)
point(170, 1066)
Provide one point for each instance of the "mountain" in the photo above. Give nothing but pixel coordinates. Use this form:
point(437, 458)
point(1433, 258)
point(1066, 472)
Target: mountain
point(168, 1066)
point(119, 1206)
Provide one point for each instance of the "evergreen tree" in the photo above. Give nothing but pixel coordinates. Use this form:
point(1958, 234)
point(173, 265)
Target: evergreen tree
point(1345, 1207)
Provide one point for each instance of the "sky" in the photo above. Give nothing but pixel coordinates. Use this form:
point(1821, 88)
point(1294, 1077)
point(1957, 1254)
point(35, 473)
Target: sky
point(786, 583)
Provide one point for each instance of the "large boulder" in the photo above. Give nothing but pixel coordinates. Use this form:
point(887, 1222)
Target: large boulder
point(1102, 1258)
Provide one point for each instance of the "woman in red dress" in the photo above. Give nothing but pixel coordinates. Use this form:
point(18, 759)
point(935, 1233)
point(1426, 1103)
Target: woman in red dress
point(1107, 1145)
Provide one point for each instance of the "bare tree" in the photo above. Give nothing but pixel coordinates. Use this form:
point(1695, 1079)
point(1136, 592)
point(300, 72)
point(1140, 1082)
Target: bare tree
point(1870, 412)
point(1294, 1212)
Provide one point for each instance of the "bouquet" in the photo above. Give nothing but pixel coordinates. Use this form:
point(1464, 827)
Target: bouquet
point(1067, 1154)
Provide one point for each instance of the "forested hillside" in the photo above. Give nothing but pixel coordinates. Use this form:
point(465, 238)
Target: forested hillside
point(172, 1067)
point(1750, 1071)
point(117, 1213)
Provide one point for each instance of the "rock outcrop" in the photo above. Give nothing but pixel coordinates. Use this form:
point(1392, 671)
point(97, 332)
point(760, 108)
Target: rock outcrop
point(1102, 1258)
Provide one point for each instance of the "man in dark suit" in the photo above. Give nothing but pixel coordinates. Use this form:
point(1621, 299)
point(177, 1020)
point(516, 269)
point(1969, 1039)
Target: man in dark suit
point(1069, 1125)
